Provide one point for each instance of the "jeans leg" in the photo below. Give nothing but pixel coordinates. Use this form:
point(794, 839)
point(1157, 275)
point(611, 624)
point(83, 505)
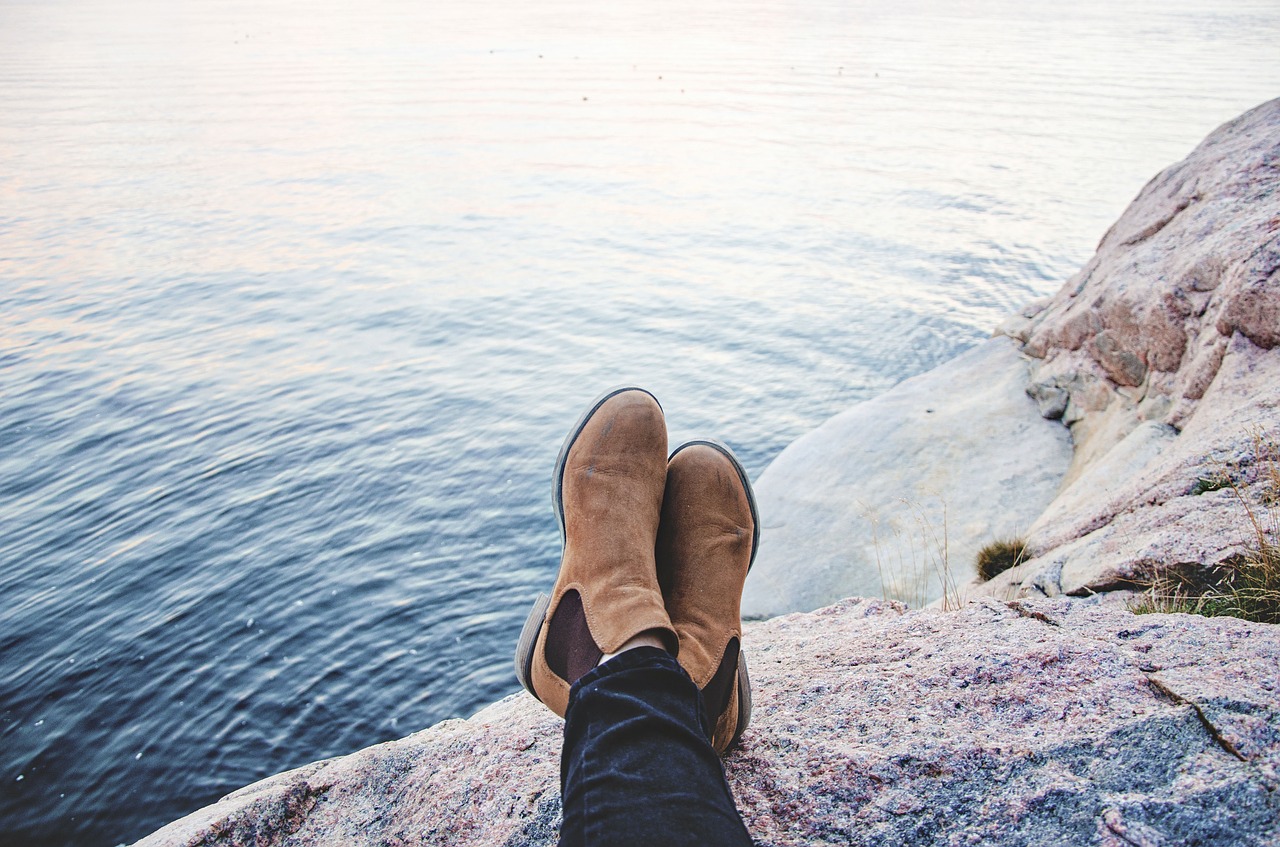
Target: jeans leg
point(638, 767)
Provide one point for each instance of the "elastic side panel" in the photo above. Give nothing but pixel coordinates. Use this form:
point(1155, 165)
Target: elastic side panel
point(715, 697)
point(571, 652)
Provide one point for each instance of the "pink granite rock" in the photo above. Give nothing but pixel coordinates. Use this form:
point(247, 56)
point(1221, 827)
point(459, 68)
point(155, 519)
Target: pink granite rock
point(1029, 722)
point(1162, 356)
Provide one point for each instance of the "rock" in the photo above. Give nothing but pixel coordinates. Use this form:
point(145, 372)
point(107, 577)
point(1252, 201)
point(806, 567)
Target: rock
point(1191, 262)
point(1108, 478)
point(1162, 355)
point(914, 480)
point(1029, 722)
point(1051, 399)
point(1124, 521)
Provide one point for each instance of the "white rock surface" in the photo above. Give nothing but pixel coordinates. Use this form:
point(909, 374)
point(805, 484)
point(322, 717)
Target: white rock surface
point(1108, 477)
point(927, 472)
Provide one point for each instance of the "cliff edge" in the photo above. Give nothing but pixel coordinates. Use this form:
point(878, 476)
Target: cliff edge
point(1031, 722)
point(1125, 427)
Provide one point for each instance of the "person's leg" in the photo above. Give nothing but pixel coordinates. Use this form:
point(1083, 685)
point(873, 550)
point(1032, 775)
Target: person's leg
point(638, 767)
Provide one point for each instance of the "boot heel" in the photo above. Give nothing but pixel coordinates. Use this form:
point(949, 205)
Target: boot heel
point(528, 640)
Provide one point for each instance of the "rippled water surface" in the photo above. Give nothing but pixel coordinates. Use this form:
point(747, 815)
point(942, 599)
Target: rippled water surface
point(298, 299)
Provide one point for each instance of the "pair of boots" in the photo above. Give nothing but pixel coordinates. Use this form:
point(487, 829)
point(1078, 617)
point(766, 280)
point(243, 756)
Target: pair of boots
point(652, 546)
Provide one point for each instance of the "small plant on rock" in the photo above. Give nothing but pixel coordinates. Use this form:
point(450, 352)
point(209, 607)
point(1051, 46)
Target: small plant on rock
point(1244, 586)
point(1252, 581)
point(1252, 589)
point(1000, 555)
point(1177, 593)
point(1206, 484)
point(914, 579)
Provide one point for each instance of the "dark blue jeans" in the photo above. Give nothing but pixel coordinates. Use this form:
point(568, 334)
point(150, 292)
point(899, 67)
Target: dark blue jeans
point(638, 766)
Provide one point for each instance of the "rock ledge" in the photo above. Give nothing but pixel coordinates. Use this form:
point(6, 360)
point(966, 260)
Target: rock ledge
point(1005, 723)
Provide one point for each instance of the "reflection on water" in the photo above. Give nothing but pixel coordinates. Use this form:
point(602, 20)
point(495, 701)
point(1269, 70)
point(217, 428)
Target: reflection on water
point(297, 306)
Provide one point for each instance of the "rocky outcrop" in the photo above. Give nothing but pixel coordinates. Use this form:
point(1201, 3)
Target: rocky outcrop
point(1027, 722)
point(903, 489)
point(1163, 357)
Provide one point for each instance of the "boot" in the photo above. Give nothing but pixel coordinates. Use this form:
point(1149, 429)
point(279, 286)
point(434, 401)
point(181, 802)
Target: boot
point(608, 487)
point(706, 544)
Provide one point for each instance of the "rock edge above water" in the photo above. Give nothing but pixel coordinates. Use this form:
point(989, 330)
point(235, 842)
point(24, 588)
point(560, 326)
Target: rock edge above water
point(939, 465)
point(1161, 357)
point(1030, 722)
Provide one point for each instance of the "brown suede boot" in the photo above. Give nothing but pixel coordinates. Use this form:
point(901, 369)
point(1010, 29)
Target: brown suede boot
point(608, 488)
point(706, 543)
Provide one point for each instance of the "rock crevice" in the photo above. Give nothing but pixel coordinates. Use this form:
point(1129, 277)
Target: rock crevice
point(1214, 732)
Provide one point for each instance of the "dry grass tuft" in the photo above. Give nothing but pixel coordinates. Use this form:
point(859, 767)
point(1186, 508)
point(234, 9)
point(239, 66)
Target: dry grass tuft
point(916, 579)
point(1000, 555)
point(1247, 586)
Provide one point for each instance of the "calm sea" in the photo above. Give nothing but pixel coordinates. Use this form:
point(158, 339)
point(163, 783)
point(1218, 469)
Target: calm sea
point(298, 299)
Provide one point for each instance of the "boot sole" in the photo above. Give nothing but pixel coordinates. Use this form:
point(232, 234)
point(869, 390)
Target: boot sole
point(744, 678)
point(744, 700)
point(537, 615)
point(528, 639)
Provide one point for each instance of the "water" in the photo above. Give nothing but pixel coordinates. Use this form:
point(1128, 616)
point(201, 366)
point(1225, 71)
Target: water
point(299, 299)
